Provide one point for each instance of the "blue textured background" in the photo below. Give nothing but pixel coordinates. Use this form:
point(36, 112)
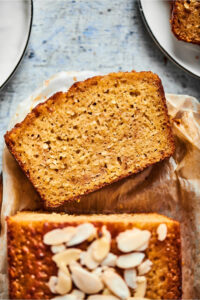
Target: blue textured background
point(88, 35)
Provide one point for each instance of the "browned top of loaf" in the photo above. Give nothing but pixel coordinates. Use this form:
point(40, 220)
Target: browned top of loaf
point(31, 265)
point(185, 20)
point(103, 129)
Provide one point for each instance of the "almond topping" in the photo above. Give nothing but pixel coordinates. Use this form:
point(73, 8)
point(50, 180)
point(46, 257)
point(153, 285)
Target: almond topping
point(52, 283)
point(106, 233)
point(64, 283)
point(59, 236)
point(102, 297)
point(66, 297)
point(162, 232)
point(131, 260)
point(144, 247)
point(131, 240)
point(98, 271)
point(130, 277)
point(64, 258)
point(79, 295)
point(97, 253)
point(141, 287)
point(92, 236)
point(116, 284)
point(106, 292)
point(100, 248)
point(58, 248)
point(87, 282)
point(110, 260)
point(144, 267)
point(137, 298)
point(88, 260)
point(83, 233)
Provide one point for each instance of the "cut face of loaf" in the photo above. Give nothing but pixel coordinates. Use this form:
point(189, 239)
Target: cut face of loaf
point(103, 129)
point(185, 20)
point(126, 255)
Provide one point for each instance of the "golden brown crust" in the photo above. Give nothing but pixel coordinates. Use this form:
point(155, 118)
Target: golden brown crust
point(82, 86)
point(30, 263)
point(183, 15)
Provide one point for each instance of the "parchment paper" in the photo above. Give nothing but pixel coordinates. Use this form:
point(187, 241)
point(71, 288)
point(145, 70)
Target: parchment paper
point(171, 187)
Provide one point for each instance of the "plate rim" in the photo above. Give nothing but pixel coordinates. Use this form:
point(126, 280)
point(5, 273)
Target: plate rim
point(23, 52)
point(159, 45)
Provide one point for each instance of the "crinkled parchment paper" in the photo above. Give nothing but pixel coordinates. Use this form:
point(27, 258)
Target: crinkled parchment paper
point(171, 187)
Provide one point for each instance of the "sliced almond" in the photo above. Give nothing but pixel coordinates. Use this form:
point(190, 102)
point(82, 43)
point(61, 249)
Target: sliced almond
point(100, 248)
point(58, 248)
point(93, 235)
point(144, 247)
point(64, 283)
point(110, 260)
point(130, 277)
point(131, 240)
point(141, 287)
point(102, 297)
point(87, 259)
point(82, 257)
point(64, 258)
point(106, 291)
point(131, 260)
point(162, 232)
point(116, 284)
point(83, 233)
point(59, 236)
point(144, 267)
point(52, 284)
point(98, 271)
point(79, 295)
point(106, 233)
point(137, 298)
point(66, 297)
point(87, 282)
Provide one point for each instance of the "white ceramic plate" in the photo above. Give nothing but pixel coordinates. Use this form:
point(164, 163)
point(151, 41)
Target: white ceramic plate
point(156, 15)
point(15, 27)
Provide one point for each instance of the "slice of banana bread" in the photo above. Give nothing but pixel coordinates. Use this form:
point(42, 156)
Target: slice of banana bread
point(185, 20)
point(103, 129)
point(122, 255)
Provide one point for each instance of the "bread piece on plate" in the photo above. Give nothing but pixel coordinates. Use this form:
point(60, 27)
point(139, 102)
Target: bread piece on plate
point(126, 255)
point(185, 20)
point(102, 130)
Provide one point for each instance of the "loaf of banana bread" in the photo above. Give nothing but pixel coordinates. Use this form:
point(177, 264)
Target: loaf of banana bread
point(93, 256)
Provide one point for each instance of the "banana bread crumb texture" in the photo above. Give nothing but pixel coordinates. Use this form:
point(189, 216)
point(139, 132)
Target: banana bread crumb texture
point(185, 20)
point(103, 129)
